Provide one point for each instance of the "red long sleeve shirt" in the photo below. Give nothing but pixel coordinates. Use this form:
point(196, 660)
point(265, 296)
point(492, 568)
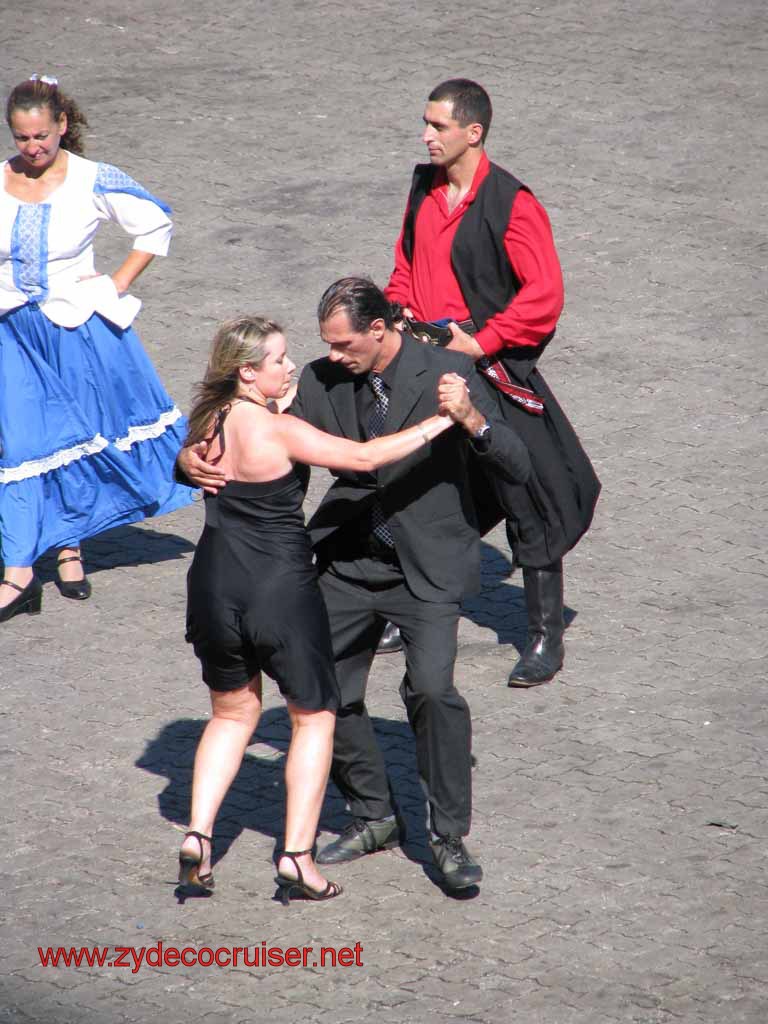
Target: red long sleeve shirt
point(428, 285)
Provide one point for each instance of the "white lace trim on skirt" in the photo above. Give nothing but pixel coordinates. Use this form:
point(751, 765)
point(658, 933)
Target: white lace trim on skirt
point(36, 467)
point(149, 430)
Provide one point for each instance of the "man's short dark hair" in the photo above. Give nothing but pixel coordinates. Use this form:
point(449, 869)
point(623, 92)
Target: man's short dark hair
point(471, 103)
point(360, 299)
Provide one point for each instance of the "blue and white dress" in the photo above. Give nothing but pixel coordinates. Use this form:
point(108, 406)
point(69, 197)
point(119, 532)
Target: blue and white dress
point(88, 434)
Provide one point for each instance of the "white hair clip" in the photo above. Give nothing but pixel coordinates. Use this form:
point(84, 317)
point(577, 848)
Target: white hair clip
point(47, 79)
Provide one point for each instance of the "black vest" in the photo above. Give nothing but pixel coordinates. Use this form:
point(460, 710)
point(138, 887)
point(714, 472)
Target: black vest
point(478, 257)
point(548, 515)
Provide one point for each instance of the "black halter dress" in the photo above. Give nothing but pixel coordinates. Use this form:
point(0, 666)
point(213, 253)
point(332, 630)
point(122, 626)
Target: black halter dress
point(253, 601)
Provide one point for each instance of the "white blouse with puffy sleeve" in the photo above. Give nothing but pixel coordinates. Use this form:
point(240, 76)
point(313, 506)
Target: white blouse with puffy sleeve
point(46, 247)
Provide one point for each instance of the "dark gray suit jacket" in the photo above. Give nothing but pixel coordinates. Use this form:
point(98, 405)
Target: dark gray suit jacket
point(426, 495)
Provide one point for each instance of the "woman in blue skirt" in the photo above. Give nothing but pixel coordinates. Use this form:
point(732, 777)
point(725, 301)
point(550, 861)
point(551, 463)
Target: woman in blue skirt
point(88, 434)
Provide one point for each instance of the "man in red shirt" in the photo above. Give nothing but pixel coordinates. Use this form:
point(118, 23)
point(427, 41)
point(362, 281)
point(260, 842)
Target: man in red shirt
point(476, 251)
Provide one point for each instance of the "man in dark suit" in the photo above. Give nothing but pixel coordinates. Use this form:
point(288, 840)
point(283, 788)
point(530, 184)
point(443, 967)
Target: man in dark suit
point(401, 545)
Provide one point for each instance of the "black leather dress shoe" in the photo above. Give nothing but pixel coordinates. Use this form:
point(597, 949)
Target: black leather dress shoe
point(457, 866)
point(391, 641)
point(361, 837)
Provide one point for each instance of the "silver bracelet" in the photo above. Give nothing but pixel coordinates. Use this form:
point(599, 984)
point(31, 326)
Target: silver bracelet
point(424, 434)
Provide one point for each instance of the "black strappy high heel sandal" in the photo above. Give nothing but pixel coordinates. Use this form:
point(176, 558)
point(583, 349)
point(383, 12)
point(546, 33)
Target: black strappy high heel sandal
point(29, 600)
point(77, 590)
point(287, 886)
point(190, 878)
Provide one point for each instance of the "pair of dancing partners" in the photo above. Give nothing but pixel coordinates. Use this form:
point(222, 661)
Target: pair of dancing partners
point(254, 603)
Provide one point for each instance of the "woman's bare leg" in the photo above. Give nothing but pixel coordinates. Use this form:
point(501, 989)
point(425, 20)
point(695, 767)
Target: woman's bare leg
point(218, 758)
point(306, 776)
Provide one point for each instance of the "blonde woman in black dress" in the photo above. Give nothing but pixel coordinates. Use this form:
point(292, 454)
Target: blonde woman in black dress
point(253, 600)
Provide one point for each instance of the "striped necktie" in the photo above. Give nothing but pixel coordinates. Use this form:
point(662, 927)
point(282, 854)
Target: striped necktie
point(376, 424)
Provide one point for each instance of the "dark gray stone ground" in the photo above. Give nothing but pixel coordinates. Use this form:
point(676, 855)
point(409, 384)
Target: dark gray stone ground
point(620, 812)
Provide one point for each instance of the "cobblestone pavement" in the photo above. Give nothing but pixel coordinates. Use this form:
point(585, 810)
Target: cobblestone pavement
point(621, 811)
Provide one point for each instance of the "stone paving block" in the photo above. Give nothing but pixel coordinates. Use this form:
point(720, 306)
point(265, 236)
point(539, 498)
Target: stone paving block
point(607, 895)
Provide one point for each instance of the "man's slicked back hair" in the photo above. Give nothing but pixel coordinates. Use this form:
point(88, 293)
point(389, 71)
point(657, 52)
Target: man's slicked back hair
point(360, 299)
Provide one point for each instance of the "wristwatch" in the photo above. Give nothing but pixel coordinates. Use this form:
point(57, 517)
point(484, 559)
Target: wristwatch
point(481, 439)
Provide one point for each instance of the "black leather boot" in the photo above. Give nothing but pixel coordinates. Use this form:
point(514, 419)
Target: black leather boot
point(544, 652)
point(390, 640)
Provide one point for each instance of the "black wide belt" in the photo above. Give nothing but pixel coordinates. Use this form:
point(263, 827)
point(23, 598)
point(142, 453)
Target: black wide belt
point(436, 334)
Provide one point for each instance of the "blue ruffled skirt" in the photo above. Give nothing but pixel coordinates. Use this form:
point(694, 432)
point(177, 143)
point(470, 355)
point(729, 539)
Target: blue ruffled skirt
point(88, 434)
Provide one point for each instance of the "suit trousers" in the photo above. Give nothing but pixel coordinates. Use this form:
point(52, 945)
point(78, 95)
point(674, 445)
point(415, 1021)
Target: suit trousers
point(361, 596)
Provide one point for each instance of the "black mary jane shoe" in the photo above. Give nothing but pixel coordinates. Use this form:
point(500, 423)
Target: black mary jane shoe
point(30, 599)
point(289, 888)
point(77, 590)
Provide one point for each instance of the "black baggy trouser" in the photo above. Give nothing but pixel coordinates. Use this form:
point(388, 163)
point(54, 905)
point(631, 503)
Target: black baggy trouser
point(361, 596)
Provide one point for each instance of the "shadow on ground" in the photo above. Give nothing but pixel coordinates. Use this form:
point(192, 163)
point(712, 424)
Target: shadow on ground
point(123, 546)
point(500, 605)
point(256, 799)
